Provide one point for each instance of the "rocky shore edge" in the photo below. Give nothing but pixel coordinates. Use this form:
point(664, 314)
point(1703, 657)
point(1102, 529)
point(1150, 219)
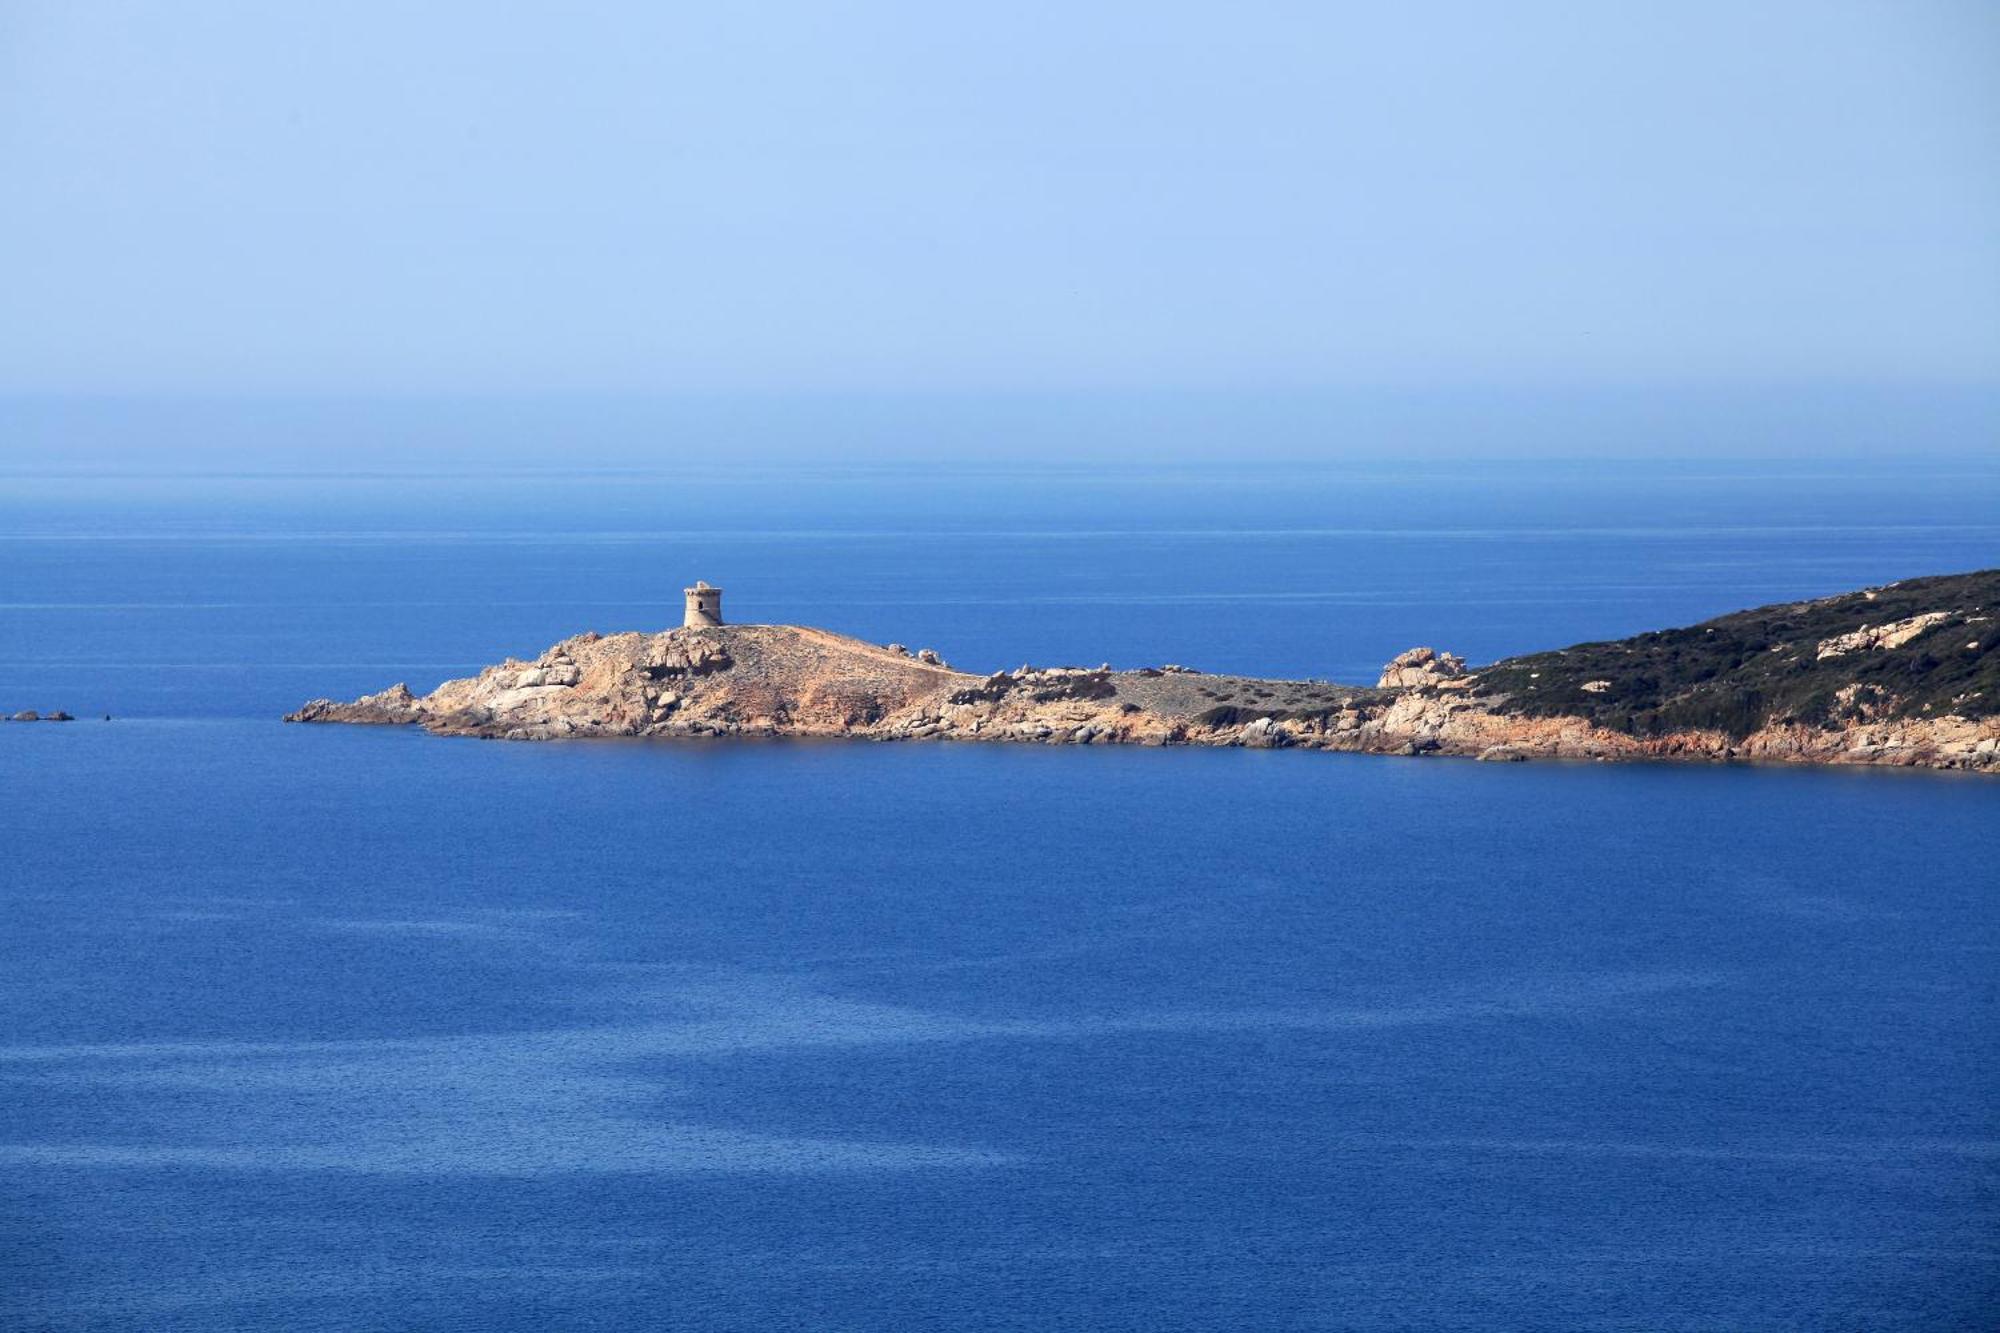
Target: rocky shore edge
point(1884, 688)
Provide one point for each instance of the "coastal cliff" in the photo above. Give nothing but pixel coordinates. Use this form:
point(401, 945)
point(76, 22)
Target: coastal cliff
point(1907, 674)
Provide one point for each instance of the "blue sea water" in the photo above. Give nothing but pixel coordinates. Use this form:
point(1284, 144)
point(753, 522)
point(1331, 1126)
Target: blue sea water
point(328, 1028)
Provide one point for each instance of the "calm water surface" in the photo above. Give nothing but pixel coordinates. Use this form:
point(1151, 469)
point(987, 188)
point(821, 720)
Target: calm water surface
point(314, 1028)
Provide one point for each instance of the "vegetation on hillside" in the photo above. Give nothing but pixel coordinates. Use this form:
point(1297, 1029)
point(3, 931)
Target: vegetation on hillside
point(1772, 665)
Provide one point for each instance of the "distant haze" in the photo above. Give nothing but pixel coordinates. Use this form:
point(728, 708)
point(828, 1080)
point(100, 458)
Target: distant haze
point(1645, 227)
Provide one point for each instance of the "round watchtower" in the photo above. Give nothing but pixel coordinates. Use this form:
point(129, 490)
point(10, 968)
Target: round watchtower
point(704, 606)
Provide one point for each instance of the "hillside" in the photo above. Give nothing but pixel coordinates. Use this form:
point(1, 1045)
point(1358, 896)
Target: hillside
point(1926, 647)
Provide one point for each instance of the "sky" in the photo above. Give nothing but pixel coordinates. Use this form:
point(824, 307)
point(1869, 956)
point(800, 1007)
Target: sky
point(1310, 202)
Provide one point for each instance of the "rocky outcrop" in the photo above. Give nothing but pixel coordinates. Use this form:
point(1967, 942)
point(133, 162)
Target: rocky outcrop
point(723, 679)
point(1875, 637)
point(30, 715)
point(394, 706)
point(1421, 668)
point(1717, 691)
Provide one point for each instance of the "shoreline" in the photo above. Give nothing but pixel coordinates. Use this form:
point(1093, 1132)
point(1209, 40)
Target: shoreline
point(1853, 680)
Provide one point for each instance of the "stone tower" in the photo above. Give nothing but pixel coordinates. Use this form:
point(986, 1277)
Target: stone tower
point(704, 606)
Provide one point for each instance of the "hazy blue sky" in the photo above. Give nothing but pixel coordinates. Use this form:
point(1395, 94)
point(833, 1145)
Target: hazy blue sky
point(615, 198)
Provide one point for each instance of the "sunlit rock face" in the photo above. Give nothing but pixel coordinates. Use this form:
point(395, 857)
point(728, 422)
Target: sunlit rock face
point(1420, 668)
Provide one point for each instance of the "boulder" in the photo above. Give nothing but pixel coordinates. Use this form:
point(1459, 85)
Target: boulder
point(561, 673)
point(1420, 668)
point(1264, 733)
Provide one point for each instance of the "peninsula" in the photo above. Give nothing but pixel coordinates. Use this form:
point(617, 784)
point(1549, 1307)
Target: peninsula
point(1907, 674)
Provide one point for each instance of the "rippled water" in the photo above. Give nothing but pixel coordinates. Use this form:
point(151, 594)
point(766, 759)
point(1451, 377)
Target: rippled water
point(323, 1028)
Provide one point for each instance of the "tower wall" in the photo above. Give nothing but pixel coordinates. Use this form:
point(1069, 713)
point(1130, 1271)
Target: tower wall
point(704, 606)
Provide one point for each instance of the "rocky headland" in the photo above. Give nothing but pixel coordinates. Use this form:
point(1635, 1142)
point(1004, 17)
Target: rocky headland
point(1907, 674)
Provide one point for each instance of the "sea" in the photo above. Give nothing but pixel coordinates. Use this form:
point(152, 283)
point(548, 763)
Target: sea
point(324, 1028)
